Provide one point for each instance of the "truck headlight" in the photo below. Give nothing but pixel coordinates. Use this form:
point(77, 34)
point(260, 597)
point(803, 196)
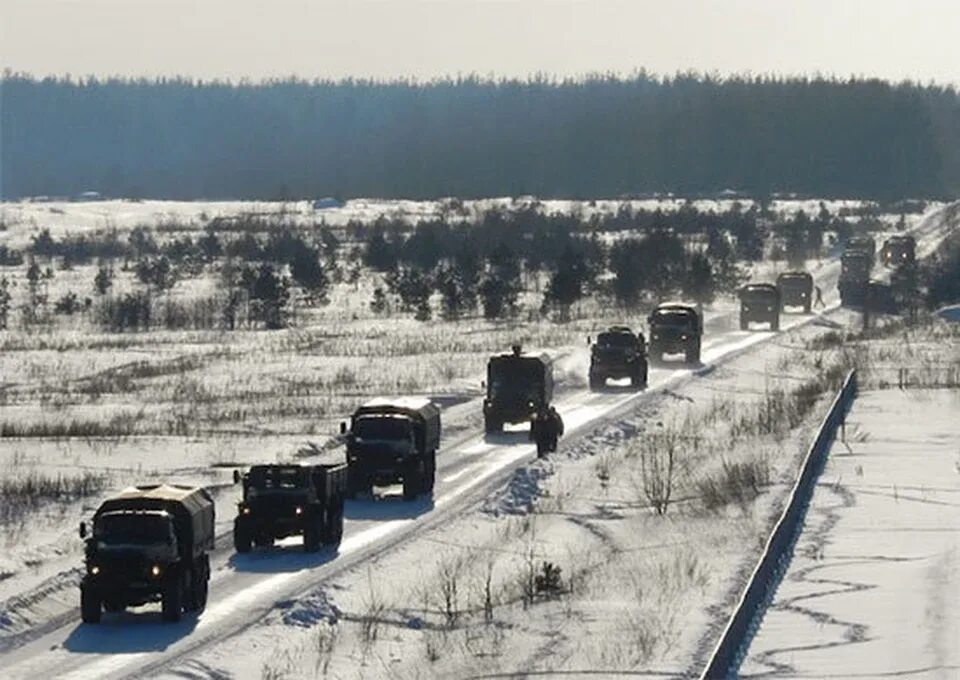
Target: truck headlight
point(769, 308)
point(94, 570)
point(683, 336)
point(529, 404)
point(298, 510)
point(155, 570)
point(245, 510)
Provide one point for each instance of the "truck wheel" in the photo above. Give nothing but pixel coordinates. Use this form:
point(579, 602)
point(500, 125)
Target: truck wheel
point(692, 355)
point(90, 605)
point(431, 479)
point(744, 324)
point(200, 585)
point(312, 533)
point(357, 482)
point(492, 426)
point(264, 541)
point(334, 526)
point(242, 540)
point(775, 324)
point(413, 483)
point(172, 605)
point(113, 606)
point(596, 382)
point(806, 308)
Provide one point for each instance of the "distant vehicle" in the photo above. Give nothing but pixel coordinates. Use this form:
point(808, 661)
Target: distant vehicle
point(326, 203)
point(290, 500)
point(855, 266)
point(675, 328)
point(898, 251)
point(950, 313)
point(760, 302)
point(391, 441)
point(89, 196)
point(149, 543)
point(618, 353)
point(796, 290)
point(864, 244)
point(518, 386)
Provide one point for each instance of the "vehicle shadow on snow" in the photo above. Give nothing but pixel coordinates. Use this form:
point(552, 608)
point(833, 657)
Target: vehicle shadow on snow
point(508, 438)
point(387, 505)
point(280, 558)
point(130, 632)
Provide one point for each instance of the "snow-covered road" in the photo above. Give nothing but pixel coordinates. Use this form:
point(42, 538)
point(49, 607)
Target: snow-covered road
point(875, 580)
point(245, 587)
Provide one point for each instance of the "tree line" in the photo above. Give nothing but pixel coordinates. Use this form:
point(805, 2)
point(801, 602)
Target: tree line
point(472, 137)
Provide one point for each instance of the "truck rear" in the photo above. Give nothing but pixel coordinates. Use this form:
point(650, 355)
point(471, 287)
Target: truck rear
point(675, 328)
point(796, 290)
point(393, 441)
point(518, 386)
point(855, 266)
point(149, 543)
point(290, 500)
point(618, 353)
point(759, 303)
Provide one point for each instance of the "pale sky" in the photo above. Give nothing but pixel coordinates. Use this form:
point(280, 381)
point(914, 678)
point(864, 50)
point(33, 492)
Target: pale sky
point(892, 39)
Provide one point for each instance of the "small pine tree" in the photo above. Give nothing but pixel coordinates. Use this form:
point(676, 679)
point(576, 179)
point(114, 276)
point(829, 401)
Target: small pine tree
point(103, 280)
point(5, 299)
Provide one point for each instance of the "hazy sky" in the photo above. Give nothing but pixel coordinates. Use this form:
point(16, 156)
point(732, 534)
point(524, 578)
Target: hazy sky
point(894, 39)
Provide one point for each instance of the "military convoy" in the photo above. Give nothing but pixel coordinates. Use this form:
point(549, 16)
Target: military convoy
point(675, 328)
point(760, 302)
point(518, 386)
point(290, 500)
point(148, 543)
point(796, 290)
point(392, 441)
point(618, 353)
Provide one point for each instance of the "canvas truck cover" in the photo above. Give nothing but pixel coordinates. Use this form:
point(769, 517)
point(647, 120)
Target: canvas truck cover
point(420, 409)
point(191, 507)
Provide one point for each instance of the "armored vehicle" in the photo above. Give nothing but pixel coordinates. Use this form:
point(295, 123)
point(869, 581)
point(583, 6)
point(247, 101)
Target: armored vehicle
point(290, 500)
point(149, 543)
point(855, 269)
point(391, 441)
point(675, 328)
point(760, 302)
point(518, 386)
point(898, 251)
point(618, 353)
point(863, 244)
point(796, 290)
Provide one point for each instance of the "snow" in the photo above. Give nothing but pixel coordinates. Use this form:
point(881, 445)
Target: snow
point(875, 578)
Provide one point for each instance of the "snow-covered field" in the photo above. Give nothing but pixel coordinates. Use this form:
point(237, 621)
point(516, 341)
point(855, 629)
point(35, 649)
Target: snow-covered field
point(875, 579)
point(251, 396)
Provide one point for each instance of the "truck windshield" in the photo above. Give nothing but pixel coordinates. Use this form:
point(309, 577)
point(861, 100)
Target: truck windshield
point(676, 319)
point(758, 294)
point(263, 479)
point(619, 340)
point(134, 529)
point(382, 429)
point(516, 379)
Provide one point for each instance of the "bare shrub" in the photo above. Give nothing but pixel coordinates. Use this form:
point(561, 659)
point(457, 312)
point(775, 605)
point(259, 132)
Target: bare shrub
point(734, 482)
point(449, 572)
point(657, 453)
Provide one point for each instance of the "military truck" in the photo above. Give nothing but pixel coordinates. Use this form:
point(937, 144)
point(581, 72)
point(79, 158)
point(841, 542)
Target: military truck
point(390, 441)
point(518, 386)
point(149, 543)
point(898, 251)
point(618, 353)
point(760, 303)
point(855, 266)
point(864, 244)
point(290, 500)
point(796, 290)
point(675, 328)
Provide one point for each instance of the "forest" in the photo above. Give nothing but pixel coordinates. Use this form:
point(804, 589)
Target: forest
point(594, 137)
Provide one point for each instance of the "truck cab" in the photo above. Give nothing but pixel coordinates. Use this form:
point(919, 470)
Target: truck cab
point(149, 543)
point(675, 328)
point(518, 386)
point(898, 251)
point(864, 244)
point(760, 302)
point(618, 353)
point(796, 290)
point(290, 500)
point(392, 441)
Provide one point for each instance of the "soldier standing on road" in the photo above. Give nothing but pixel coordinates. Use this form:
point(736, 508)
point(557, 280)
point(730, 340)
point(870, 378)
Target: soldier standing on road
point(546, 428)
point(818, 302)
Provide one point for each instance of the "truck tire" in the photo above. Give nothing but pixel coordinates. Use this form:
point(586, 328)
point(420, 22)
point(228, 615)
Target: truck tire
point(199, 584)
point(692, 355)
point(333, 531)
point(312, 533)
point(639, 378)
point(806, 307)
point(744, 324)
point(113, 606)
point(413, 482)
point(242, 540)
point(358, 483)
point(431, 476)
point(492, 426)
point(172, 605)
point(775, 324)
point(596, 382)
point(90, 605)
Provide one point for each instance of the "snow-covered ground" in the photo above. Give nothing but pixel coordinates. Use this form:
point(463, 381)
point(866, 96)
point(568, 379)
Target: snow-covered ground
point(39, 633)
point(874, 583)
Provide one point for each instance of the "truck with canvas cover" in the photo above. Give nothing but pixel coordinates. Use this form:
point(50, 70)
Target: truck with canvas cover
point(796, 290)
point(290, 500)
point(759, 303)
point(518, 385)
point(148, 543)
point(899, 251)
point(392, 441)
point(675, 328)
point(863, 244)
point(618, 353)
point(855, 269)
